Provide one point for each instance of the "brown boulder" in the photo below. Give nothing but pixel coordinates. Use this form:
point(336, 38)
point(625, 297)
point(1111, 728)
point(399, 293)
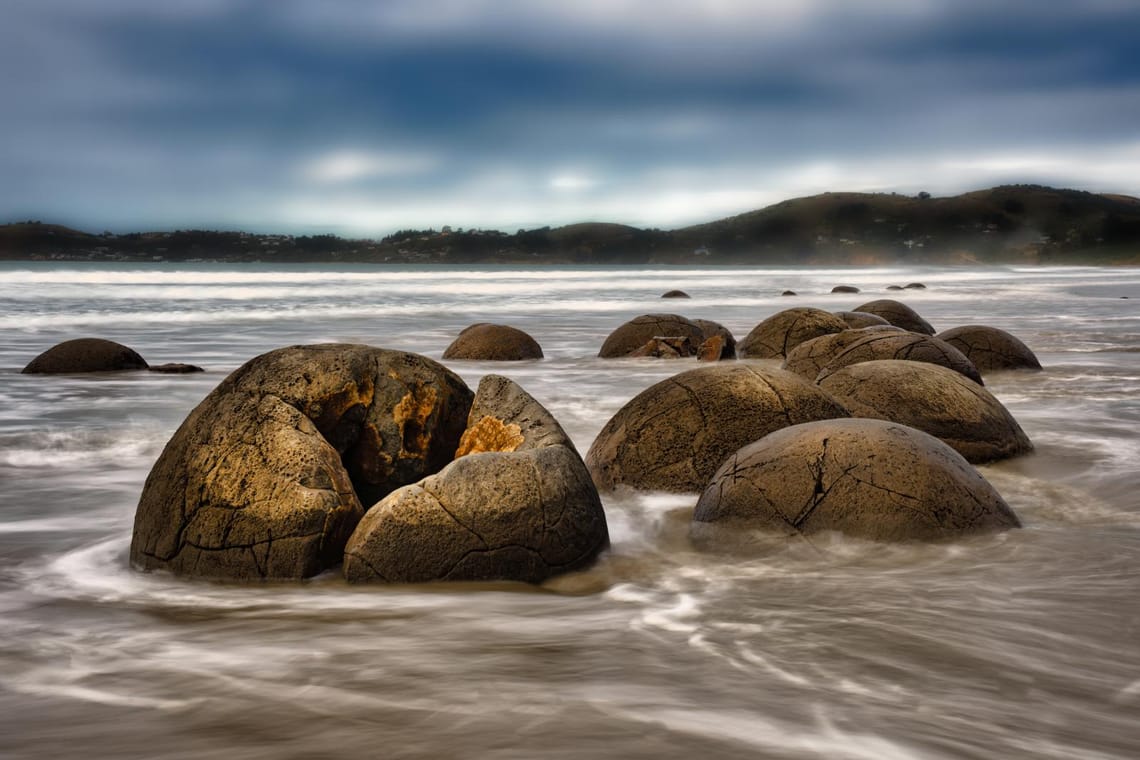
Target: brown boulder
point(175, 368)
point(898, 314)
point(673, 435)
point(810, 357)
point(516, 504)
point(879, 344)
point(859, 319)
point(780, 333)
point(845, 289)
point(936, 400)
point(990, 348)
point(665, 348)
point(85, 355)
point(713, 329)
point(638, 331)
point(265, 477)
point(865, 478)
point(487, 342)
point(675, 294)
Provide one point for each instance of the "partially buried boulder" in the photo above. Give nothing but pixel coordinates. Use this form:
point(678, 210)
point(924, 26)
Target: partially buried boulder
point(635, 333)
point(880, 344)
point(865, 478)
point(858, 319)
point(516, 504)
point(936, 400)
point(675, 294)
point(774, 337)
point(85, 355)
point(673, 435)
point(175, 368)
point(991, 349)
point(845, 289)
point(898, 314)
point(488, 342)
point(266, 476)
point(811, 356)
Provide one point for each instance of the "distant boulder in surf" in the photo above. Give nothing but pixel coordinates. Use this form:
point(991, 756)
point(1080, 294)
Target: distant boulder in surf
point(516, 504)
point(675, 294)
point(788, 293)
point(85, 355)
point(914, 286)
point(858, 319)
point(488, 342)
point(888, 344)
point(175, 368)
point(845, 289)
point(673, 435)
point(934, 399)
point(775, 336)
point(866, 478)
point(898, 314)
point(991, 349)
point(635, 333)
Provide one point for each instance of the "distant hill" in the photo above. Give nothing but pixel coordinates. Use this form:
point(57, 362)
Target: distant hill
point(1007, 224)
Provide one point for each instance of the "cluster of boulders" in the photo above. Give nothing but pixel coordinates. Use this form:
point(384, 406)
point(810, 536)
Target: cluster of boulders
point(384, 463)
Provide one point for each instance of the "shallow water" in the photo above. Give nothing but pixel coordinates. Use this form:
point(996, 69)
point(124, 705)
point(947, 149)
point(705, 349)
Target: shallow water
point(1025, 644)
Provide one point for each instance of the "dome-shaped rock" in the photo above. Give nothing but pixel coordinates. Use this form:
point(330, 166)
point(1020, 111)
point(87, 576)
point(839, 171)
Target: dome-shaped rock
point(936, 400)
point(882, 344)
point(990, 348)
point(845, 289)
point(516, 504)
point(811, 356)
point(487, 342)
point(713, 329)
point(266, 476)
point(788, 293)
point(865, 478)
point(673, 435)
point(898, 314)
point(859, 319)
point(637, 332)
point(675, 294)
point(85, 355)
point(780, 333)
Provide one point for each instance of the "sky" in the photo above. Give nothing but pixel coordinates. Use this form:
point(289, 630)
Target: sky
point(361, 117)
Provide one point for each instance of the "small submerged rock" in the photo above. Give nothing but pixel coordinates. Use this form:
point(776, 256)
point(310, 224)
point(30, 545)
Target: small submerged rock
point(175, 368)
point(845, 289)
point(675, 294)
point(775, 336)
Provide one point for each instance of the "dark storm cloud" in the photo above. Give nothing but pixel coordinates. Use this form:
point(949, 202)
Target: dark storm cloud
point(377, 115)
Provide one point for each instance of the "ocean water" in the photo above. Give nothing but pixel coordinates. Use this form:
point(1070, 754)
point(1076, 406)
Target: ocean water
point(1024, 644)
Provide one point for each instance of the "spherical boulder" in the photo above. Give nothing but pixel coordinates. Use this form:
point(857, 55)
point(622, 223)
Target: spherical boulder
point(898, 314)
point(266, 476)
point(991, 349)
point(673, 435)
point(774, 337)
point(858, 319)
point(85, 355)
point(487, 342)
point(866, 478)
point(516, 504)
point(713, 329)
point(635, 333)
point(811, 356)
point(936, 400)
point(880, 344)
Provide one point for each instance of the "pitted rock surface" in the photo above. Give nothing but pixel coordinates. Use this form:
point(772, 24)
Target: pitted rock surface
point(488, 342)
point(780, 333)
point(515, 505)
point(635, 333)
point(811, 356)
point(713, 329)
point(898, 314)
point(936, 400)
point(901, 345)
point(665, 348)
point(866, 478)
point(991, 349)
point(673, 435)
point(265, 477)
point(856, 320)
point(85, 355)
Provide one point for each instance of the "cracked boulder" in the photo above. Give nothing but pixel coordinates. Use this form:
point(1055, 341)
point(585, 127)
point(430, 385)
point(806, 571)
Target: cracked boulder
point(780, 333)
point(879, 344)
point(85, 355)
point(516, 504)
point(991, 349)
point(487, 342)
point(713, 330)
point(637, 332)
point(266, 476)
point(866, 478)
point(811, 356)
point(936, 400)
point(673, 435)
point(898, 314)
